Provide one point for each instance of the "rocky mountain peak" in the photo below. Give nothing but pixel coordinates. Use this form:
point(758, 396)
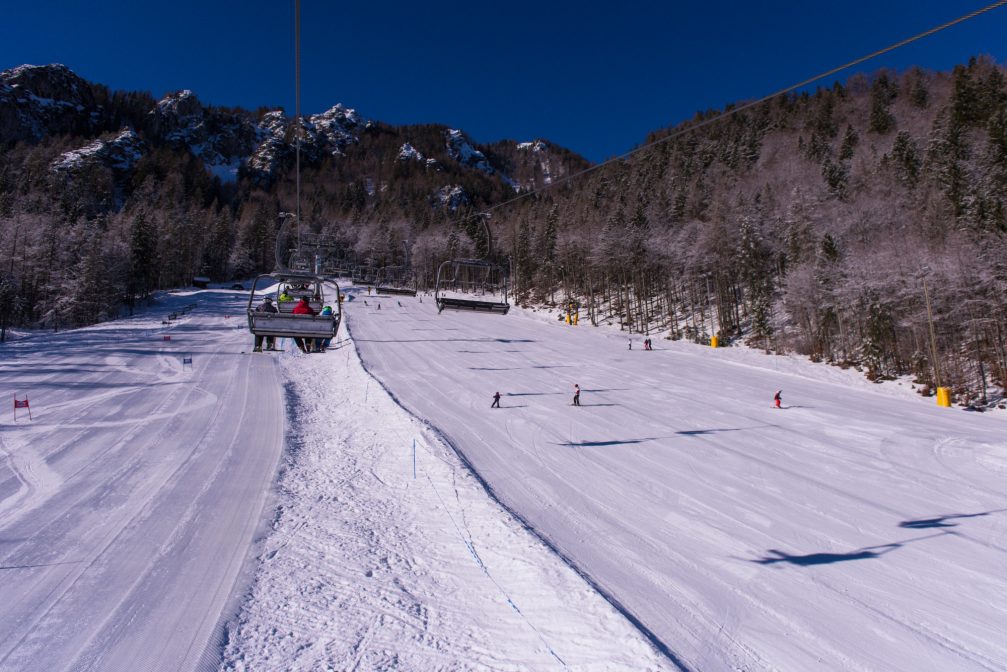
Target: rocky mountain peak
point(37, 100)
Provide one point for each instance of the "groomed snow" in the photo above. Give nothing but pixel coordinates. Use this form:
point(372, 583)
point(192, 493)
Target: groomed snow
point(675, 521)
point(373, 565)
point(854, 529)
point(129, 502)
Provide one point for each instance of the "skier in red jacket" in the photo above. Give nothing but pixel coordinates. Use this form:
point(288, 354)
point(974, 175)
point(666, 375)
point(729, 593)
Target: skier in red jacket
point(778, 397)
point(303, 308)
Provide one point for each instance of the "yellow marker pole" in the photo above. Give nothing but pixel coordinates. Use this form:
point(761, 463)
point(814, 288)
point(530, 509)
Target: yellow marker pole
point(714, 341)
point(943, 393)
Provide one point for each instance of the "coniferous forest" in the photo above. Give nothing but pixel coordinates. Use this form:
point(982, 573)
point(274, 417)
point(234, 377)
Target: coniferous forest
point(821, 223)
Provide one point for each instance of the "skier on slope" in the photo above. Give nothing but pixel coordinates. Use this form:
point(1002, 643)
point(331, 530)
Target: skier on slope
point(778, 397)
point(576, 395)
point(496, 400)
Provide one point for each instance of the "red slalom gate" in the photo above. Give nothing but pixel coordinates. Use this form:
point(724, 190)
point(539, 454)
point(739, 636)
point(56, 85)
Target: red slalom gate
point(21, 404)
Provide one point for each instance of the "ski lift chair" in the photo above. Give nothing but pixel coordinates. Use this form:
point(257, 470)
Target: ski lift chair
point(396, 280)
point(471, 284)
point(284, 323)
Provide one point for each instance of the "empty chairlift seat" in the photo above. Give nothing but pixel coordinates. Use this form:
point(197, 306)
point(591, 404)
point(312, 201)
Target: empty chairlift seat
point(471, 284)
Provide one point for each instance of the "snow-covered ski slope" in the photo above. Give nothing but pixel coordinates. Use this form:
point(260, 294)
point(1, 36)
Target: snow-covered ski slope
point(674, 521)
point(128, 504)
point(858, 528)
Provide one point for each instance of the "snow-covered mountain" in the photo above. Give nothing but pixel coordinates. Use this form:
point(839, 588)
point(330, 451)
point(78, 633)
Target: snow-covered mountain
point(452, 197)
point(222, 140)
point(119, 153)
point(461, 150)
point(43, 101)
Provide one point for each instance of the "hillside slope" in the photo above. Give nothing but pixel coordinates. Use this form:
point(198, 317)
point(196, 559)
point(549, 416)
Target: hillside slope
point(858, 527)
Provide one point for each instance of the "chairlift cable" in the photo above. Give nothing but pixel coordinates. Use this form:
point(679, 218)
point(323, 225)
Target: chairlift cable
point(742, 108)
point(297, 113)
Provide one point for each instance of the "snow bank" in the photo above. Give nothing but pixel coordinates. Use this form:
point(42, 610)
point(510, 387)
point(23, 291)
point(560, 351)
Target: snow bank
point(370, 567)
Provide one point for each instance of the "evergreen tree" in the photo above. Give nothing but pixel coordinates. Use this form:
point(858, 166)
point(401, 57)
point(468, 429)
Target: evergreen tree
point(919, 95)
point(755, 264)
point(142, 259)
point(882, 94)
point(524, 261)
point(850, 140)
point(906, 158)
point(91, 297)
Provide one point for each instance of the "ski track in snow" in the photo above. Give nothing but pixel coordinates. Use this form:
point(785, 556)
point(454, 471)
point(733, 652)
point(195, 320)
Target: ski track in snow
point(129, 502)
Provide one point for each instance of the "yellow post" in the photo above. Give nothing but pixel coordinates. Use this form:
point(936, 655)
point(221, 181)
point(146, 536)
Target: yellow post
point(714, 341)
point(944, 396)
point(572, 314)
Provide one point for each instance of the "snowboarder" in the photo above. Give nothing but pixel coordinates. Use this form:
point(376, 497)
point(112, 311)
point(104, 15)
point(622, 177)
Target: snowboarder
point(646, 344)
point(576, 395)
point(778, 397)
point(496, 400)
point(630, 343)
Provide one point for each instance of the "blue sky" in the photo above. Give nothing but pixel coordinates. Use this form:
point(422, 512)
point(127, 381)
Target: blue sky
point(592, 77)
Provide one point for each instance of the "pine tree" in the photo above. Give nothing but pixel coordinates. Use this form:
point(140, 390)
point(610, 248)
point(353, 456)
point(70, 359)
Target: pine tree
point(906, 158)
point(142, 262)
point(850, 140)
point(524, 262)
point(755, 263)
point(882, 94)
point(918, 93)
point(91, 298)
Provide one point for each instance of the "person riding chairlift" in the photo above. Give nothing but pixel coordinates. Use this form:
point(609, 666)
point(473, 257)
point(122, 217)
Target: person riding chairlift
point(326, 312)
point(265, 307)
point(302, 308)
